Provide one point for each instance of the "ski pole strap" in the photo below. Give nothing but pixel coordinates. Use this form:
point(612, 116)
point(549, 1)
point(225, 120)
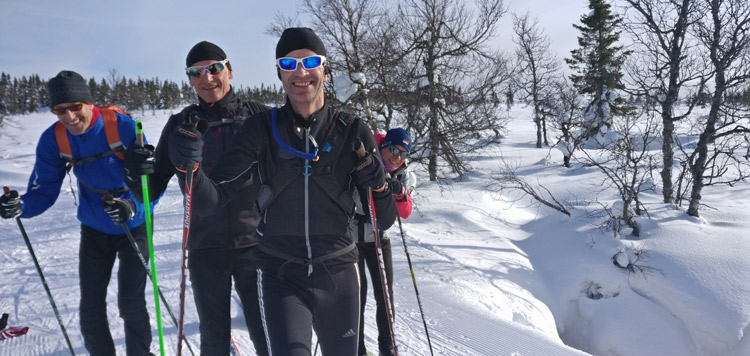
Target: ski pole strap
point(304, 261)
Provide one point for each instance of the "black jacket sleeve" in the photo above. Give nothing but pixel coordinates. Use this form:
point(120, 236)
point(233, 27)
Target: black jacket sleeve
point(385, 205)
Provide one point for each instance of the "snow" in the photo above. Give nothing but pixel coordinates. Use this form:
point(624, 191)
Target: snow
point(497, 274)
point(345, 86)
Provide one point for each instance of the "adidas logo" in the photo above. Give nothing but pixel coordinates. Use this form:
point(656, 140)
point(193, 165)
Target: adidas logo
point(349, 333)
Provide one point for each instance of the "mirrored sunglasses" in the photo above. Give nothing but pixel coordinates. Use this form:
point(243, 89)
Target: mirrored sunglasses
point(290, 63)
point(212, 68)
point(397, 152)
point(62, 111)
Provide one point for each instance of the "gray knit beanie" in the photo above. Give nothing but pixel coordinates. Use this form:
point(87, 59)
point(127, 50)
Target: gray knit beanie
point(68, 87)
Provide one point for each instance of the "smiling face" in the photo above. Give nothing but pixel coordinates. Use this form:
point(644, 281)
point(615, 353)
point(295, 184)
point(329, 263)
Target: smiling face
point(304, 87)
point(391, 159)
point(211, 87)
point(76, 121)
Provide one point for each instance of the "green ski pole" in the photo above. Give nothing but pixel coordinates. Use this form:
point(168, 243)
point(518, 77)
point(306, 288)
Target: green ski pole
point(149, 232)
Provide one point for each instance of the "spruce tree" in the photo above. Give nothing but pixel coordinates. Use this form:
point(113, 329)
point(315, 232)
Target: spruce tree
point(597, 66)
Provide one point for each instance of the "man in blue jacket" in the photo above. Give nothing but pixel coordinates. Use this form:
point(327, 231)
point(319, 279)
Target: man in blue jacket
point(95, 162)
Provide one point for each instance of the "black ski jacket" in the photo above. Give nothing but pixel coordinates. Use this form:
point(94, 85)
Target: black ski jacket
point(233, 225)
point(304, 220)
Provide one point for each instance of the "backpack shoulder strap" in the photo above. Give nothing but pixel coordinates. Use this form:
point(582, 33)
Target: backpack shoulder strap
point(112, 131)
point(322, 174)
point(61, 136)
point(113, 108)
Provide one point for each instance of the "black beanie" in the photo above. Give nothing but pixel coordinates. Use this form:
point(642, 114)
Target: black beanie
point(203, 51)
point(295, 38)
point(68, 87)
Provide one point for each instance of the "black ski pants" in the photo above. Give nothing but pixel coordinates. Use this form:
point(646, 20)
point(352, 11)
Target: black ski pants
point(295, 303)
point(96, 258)
point(368, 256)
point(211, 275)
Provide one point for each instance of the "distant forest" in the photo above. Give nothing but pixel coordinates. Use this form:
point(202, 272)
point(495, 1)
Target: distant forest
point(29, 94)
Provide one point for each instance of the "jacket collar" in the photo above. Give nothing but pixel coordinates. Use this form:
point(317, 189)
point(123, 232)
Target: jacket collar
point(220, 109)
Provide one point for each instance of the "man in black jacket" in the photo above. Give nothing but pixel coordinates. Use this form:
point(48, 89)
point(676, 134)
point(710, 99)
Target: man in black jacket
point(308, 171)
point(222, 244)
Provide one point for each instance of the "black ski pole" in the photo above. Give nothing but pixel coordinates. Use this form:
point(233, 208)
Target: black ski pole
point(41, 275)
point(148, 273)
point(414, 280)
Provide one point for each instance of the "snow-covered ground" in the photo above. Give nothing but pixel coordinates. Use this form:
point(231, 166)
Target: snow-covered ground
point(497, 275)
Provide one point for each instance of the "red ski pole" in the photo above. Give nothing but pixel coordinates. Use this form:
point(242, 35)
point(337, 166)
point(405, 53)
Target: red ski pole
point(381, 265)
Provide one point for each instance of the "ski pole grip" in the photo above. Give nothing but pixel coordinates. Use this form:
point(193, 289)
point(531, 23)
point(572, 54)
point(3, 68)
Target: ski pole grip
point(359, 147)
point(193, 119)
point(197, 122)
point(139, 133)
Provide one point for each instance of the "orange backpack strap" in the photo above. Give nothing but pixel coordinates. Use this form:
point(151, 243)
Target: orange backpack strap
point(112, 132)
point(113, 108)
point(61, 135)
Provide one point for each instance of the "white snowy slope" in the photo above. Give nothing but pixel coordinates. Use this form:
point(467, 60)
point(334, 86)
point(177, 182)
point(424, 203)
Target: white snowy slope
point(496, 275)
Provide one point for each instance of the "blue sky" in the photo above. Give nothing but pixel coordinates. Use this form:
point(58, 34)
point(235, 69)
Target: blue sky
point(150, 38)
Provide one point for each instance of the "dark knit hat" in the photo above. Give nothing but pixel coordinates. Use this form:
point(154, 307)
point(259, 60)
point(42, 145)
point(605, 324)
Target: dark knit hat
point(397, 136)
point(295, 38)
point(68, 87)
point(203, 51)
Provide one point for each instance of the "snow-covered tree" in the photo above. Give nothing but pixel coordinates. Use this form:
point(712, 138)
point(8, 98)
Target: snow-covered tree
point(597, 67)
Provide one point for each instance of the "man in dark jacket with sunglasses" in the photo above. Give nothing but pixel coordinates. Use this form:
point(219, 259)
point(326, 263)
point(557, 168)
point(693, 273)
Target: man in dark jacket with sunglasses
point(222, 244)
point(308, 170)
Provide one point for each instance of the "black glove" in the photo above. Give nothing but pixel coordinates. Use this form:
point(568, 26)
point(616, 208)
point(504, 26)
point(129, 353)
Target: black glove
point(397, 188)
point(369, 172)
point(186, 145)
point(10, 204)
point(138, 161)
point(119, 210)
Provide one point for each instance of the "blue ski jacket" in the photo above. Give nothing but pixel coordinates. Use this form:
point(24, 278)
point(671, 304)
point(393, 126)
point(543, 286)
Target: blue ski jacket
point(103, 174)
